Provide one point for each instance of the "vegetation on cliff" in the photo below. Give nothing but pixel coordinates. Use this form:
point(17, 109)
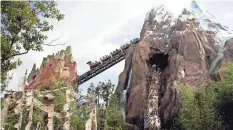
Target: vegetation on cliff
point(23, 24)
point(108, 105)
point(210, 107)
point(39, 116)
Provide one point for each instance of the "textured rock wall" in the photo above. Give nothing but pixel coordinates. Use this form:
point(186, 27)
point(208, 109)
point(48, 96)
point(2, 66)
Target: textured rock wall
point(54, 67)
point(185, 53)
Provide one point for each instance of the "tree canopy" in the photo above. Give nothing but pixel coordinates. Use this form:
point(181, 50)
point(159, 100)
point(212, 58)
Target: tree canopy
point(23, 24)
point(209, 107)
point(108, 105)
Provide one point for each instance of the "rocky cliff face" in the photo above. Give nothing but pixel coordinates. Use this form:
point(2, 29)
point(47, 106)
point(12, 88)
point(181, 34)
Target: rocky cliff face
point(59, 66)
point(187, 49)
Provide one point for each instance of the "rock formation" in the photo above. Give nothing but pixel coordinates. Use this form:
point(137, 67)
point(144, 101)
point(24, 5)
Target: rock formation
point(41, 92)
point(188, 49)
point(54, 67)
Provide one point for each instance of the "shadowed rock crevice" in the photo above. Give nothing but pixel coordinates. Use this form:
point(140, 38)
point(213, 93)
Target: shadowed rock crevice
point(160, 61)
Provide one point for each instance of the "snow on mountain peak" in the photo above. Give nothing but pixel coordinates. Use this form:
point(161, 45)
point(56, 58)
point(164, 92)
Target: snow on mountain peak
point(162, 14)
point(196, 11)
point(193, 16)
point(207, 21)
point(195, 6)
point(159, 14)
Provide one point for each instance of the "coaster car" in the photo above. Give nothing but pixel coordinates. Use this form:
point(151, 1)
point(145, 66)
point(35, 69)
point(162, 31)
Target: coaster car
point(124, 47)
point(134, 41)
point(105, 58)
point(114, 53)
point(93, 64)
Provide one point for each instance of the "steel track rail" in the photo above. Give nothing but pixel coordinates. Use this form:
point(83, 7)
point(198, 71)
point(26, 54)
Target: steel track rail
point(103, 66)
point(92, 73)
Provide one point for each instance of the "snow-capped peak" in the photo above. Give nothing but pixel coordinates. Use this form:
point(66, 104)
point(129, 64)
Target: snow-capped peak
point(159, 14)
point(207, 20)
point(209, 23)
point(200, 13)
point(161, 9)
point(195, 6)
point(194, 17)
point(162, 14)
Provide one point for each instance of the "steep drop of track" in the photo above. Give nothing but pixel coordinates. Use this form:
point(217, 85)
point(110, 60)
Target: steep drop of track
point(102, 67)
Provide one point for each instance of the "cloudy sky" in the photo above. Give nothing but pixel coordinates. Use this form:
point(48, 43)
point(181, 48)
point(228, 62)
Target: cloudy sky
point(95, 28)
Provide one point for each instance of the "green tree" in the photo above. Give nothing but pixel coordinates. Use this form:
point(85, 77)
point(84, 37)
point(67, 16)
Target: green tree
point(105, 90)
point(108, 109)
point(23, 24)
point(114, 119)
point(224, 99)
point(210, 107)
point(101, 93)
point(197, 109)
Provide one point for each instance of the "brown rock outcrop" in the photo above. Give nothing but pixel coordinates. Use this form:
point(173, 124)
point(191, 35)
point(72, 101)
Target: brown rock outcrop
point(185, 53)
point(54, 67)
point(125, 74)
point(58, 67)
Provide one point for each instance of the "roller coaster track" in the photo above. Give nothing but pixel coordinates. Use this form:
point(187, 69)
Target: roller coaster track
point(102, 67)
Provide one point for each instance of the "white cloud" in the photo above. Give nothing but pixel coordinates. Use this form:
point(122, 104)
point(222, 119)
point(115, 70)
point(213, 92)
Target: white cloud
point(94, 29)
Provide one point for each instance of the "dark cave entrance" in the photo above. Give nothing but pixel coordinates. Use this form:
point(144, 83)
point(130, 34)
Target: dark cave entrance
point(159, 61)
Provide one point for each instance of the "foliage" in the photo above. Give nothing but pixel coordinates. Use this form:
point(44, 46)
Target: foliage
point(110, 116)
point(24, 118)
point(77, 122)
point(23, 27)
point(59, 101)
point(58, 123)
point(224, 103)
point(101, 93)
point(12, 119)
point(209, 107)
point(108, 110)
point(38, 117)
point(82, 106)
point(113, 117)
point(197, 111)
point(2, 103)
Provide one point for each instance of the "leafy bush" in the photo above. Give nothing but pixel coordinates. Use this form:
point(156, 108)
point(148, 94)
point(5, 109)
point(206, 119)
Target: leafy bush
point(77, 123)
point(210, 107)
point(114, 118)
point(12, 119)
point(197, 111)
point(224, 99)
point(108, 110)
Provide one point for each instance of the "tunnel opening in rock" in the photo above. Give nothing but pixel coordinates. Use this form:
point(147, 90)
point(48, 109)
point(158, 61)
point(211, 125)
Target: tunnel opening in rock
point(159, 61)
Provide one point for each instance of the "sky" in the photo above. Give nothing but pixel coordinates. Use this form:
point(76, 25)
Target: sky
point(95, 28)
